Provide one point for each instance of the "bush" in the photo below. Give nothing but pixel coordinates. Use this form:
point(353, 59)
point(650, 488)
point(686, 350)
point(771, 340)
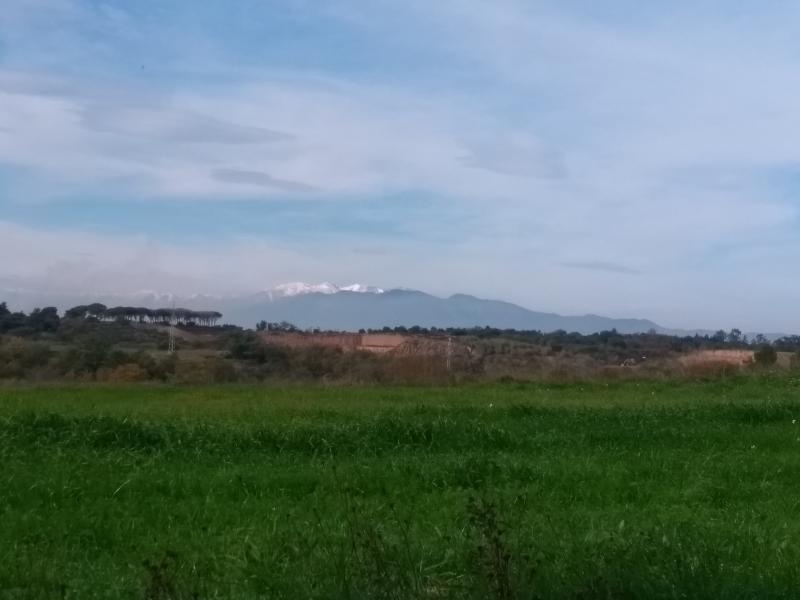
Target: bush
point(222, 371)
point(206, 370)
point(86, 357)
point(19, 356)
point(126, 373)
point(765, 356)
point(192, 371)
point(712, 369)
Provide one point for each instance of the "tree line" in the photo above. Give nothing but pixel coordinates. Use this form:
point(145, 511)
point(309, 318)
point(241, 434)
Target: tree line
point(140, 314)
point(40, 320)
point(47, 319)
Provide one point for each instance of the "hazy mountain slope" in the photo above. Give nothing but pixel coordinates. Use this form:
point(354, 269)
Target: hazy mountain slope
point(352, 311)
point(339, 308)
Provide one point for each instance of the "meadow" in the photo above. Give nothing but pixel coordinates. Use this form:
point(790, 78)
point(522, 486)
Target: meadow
point(630, 489)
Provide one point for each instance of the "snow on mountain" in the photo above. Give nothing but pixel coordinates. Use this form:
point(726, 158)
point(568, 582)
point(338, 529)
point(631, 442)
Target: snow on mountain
point(362, 289)
point(298, 288)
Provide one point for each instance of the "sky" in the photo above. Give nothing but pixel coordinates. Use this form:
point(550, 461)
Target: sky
point(622, 158)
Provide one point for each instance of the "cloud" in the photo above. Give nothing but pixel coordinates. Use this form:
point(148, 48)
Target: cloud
point(598, 265)
point(259, 179)
point(67, 262)
point(170, 125)
point(338, 138)
point(517, 155)
point(369, 250)
point(551, 131)
point(622, 106)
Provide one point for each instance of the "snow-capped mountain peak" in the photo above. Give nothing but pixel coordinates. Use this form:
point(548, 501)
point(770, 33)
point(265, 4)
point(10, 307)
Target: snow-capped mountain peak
point(361, 289)
point(297, 288)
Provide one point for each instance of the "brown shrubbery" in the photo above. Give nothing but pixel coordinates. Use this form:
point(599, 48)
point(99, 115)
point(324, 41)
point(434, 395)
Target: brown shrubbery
point(711, 369)
point(82, 350)
point(127, 373)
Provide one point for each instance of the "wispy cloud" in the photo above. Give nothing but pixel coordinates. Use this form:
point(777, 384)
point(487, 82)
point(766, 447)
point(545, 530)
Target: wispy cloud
point(598, 265)
point(170, 125)
point(518, 155)
point(259, 179)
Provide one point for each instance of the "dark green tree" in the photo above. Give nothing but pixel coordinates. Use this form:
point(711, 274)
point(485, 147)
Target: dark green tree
point(44, 319)
point(96, 310)
point(77, 312)
point(735, 336)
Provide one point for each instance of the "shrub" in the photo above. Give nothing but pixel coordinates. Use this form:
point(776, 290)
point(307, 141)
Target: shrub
point(415, 369)
point(205, 370)
point(712, 369)
point(164, 368)
point(765, 356)
point(222, 371)
point(126, 373)
point(18, 356)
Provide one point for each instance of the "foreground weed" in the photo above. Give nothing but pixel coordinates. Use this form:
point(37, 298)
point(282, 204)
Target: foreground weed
point(492, 555)
point(382, 565)
point(162, 581)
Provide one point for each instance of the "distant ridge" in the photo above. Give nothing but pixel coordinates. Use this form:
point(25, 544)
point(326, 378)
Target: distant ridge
point(355, 306)
point(367, 309)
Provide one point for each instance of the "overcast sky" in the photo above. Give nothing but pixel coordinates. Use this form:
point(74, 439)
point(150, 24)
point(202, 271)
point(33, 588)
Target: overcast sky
point(620, 157)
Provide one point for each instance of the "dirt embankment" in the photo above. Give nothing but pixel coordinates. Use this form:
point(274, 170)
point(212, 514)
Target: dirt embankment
point(378, 343)
point(731, 357)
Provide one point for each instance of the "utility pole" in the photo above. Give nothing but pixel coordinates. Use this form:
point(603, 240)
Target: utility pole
point(171, 348)
point(449, 353)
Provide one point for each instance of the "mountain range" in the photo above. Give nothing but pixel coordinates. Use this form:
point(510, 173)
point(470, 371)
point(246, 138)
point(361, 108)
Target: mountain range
point(355, 307)
point(350, 307)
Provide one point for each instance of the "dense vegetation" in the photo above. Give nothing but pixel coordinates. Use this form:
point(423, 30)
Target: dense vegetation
point(608, 490)
point(97, 343)
point(720, 339)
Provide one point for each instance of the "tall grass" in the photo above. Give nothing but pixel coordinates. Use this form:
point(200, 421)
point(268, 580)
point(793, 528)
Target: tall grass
point(606, 490)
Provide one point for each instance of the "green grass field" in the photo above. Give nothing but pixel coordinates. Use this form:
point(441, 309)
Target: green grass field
point(620, 490)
